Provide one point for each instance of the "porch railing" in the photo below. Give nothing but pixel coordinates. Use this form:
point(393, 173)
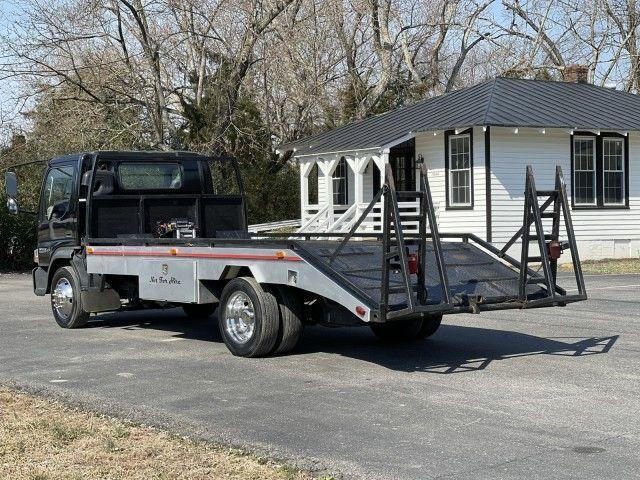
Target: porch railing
point(319, 219)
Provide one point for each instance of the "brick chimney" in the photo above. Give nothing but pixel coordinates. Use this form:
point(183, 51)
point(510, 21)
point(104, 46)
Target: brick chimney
point(576, 74)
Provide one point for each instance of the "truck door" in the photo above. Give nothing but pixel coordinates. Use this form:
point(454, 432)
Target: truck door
point(57, 220)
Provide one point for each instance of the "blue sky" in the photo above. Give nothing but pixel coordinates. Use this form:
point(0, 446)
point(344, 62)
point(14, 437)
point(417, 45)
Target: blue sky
point(8, 107)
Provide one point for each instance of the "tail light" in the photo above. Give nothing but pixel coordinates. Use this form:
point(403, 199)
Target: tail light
point(412, 261)
point(555, 249)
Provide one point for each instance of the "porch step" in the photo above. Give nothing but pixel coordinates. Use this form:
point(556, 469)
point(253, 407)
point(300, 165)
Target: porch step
point(550, 215)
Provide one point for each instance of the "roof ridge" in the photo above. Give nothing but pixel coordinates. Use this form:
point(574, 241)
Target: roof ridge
point(490, 102)
point(562, 82)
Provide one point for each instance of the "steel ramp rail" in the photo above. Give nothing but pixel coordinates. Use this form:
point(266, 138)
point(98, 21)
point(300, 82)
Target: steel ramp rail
point(534, 213)
point(395, 251)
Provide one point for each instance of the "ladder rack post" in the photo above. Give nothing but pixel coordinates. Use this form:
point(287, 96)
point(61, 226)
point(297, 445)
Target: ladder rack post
point(435, 236)
point(571, 238)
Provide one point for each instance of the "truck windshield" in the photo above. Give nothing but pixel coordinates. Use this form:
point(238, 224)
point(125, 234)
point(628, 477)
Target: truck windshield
point(150, 176)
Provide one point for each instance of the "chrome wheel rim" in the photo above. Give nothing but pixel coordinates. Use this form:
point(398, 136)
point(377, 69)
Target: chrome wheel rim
point(62, 298)
point(240, 317)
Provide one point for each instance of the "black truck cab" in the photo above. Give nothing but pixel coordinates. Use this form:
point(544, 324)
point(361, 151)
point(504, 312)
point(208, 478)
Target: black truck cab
point(111, 194)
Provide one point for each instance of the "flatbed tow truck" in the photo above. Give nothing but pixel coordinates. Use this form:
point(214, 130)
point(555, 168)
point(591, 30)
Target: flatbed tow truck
point(131, 230)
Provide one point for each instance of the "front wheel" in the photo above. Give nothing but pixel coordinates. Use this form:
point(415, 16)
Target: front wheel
point(66, 302)
point(248, 318)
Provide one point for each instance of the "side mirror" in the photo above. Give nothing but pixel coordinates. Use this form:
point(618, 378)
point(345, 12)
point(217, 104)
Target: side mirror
point(11, 184)
point(11, 188)
point(12, 206)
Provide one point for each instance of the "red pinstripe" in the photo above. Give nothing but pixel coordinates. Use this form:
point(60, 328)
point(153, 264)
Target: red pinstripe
point(232, 256)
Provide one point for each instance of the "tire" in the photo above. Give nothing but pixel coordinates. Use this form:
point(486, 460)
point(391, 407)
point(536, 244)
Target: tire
point(290, 329)
point(203, 310)
point(430, 326)
point(397, 331)
point(66, 302)
point(248, 318)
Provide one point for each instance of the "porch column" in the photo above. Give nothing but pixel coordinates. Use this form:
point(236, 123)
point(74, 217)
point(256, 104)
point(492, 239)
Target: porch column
point(305, 170)
point(381, 161)
point(327, 167)
point(358, 166)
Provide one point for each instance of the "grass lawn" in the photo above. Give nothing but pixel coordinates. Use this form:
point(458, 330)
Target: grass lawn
point(41, 440)
point(605, 267)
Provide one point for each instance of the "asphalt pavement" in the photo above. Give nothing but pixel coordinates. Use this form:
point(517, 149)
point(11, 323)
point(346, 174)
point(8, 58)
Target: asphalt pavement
point(548, 393)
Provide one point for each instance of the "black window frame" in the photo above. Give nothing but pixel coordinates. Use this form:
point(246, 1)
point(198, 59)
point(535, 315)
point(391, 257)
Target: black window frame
point(447, 135)
point(343, 181)
point(599, 171)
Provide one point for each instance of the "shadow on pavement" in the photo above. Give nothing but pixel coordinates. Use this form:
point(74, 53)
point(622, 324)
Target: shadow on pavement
point(453, 349)
point(169, 320)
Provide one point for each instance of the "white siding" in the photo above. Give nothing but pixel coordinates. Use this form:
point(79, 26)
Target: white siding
point(601, 233)
point(431, 147)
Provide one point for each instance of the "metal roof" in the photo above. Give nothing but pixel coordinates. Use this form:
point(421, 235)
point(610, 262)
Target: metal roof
point(501, 102)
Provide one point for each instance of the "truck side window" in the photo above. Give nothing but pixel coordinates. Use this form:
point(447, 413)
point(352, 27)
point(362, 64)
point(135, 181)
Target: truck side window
point(150, 176)
point(57, 191)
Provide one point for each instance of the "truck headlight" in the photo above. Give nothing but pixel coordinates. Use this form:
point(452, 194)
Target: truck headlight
point(36, 257)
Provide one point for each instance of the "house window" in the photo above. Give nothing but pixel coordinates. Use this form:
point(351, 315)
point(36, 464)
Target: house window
point(340, 183)
point(313, 185)
point(613, 171)
point(600, 171)
point(459, 170)
point(584, 170)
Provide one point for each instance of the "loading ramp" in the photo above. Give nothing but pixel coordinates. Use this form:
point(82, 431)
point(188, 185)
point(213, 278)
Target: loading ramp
point(411, 275)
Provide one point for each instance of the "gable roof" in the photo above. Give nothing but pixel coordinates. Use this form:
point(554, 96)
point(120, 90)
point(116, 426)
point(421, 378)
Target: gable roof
point(501, 102)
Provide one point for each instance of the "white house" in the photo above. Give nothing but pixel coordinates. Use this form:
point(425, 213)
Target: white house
point(476, 144)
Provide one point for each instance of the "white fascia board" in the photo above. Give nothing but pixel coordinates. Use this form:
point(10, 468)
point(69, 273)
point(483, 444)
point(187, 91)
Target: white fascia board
point(339, 152)
point(397, 141)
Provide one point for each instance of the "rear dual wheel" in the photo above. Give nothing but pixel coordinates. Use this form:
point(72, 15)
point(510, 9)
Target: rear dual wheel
point(407, 330)
point(256, 321)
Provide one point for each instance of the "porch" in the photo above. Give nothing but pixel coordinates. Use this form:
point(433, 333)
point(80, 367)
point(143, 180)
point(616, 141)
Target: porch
point(336, 190)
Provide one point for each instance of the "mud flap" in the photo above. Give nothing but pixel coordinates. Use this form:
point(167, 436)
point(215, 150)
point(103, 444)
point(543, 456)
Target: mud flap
point(97, 295)
point(40, 280)
point(107, 300)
